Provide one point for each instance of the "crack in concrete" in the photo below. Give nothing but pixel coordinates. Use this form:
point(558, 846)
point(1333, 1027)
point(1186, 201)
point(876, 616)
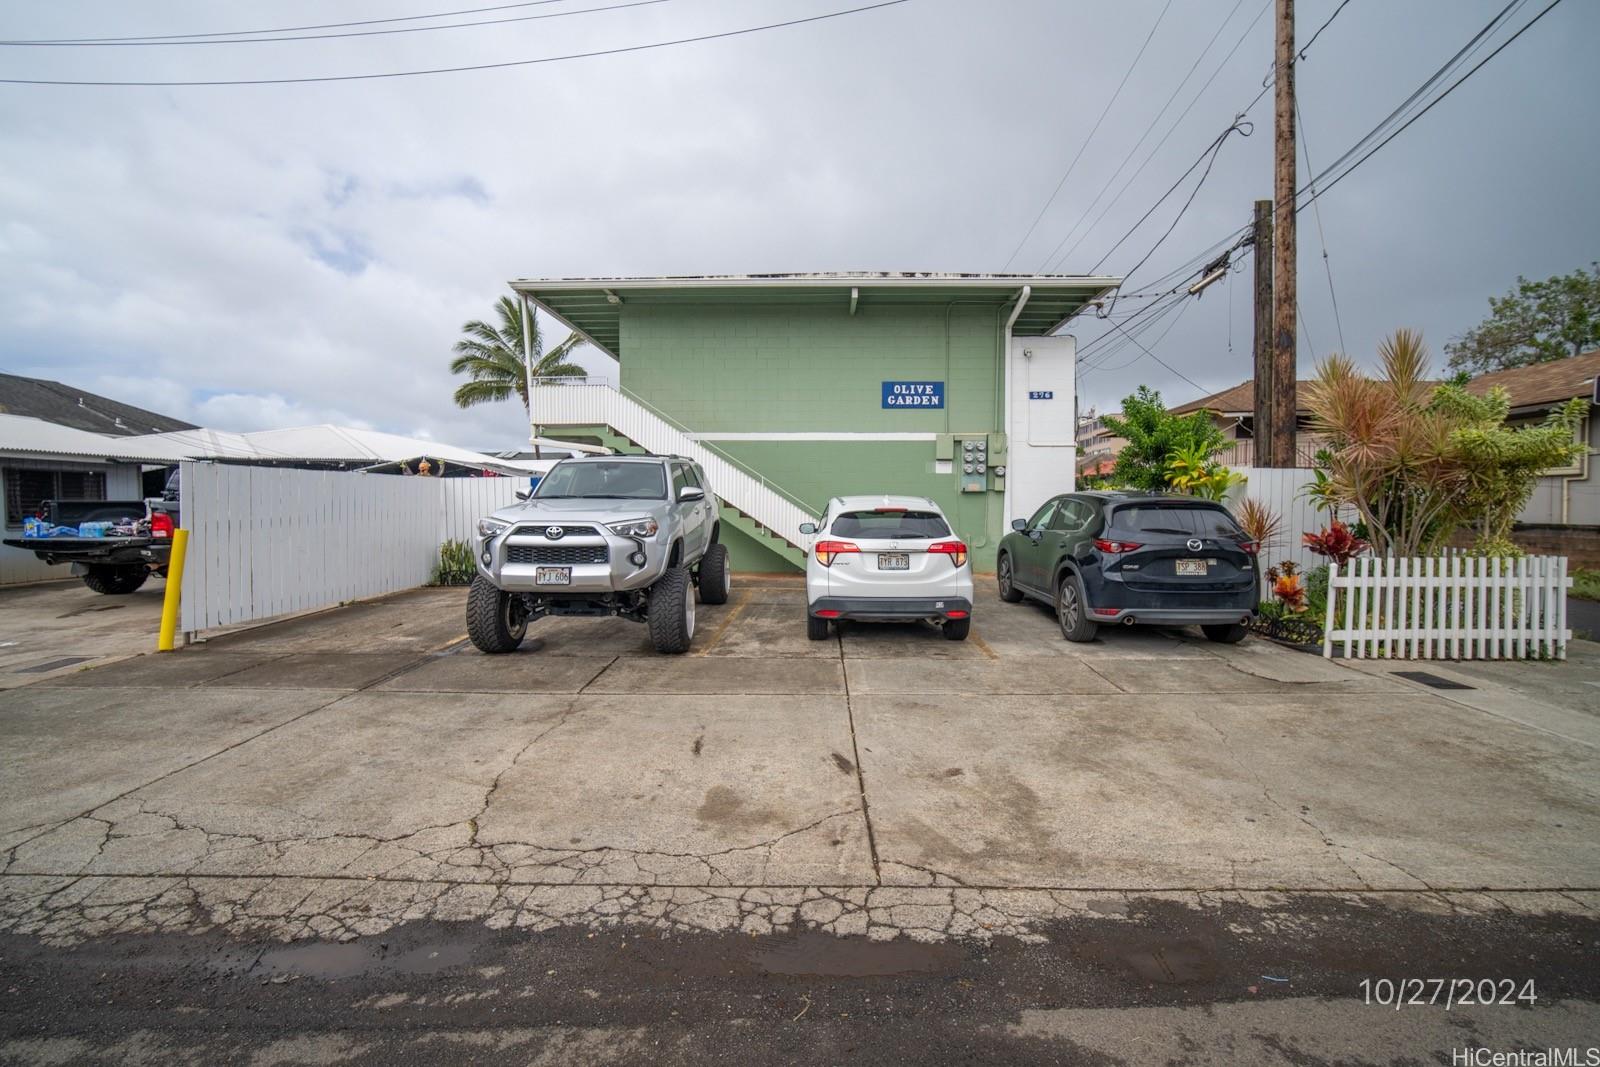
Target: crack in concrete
point(855, 750)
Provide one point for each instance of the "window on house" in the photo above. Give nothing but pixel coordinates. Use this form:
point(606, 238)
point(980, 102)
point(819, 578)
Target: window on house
point(27, 489)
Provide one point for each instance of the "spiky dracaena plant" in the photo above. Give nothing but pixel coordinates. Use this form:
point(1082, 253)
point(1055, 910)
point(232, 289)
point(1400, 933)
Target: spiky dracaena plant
point(1389, 454)
point(1419, 462)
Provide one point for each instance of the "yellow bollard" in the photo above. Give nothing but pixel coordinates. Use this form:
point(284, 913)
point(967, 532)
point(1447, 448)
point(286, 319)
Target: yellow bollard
point(169, 603)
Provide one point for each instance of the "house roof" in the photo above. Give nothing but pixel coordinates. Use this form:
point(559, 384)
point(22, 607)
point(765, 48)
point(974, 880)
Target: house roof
point(1237, 400)
point(593, 306)
point(27, 436)
point(24, 436)
point(1543, 383)
point(324, 444)
point(80, 409)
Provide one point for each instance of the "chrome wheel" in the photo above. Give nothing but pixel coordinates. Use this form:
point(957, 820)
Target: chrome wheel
point(688, 614)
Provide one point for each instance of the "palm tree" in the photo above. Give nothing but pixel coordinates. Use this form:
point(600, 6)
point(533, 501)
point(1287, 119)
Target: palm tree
point(492, 357)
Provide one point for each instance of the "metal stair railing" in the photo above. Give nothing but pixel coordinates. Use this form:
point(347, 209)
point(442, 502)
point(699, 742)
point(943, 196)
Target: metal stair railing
point(596, 401)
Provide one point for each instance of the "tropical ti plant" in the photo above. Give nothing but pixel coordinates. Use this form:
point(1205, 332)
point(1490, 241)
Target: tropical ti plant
point(1155, 436)
point(1337, 542)
point(491, 357)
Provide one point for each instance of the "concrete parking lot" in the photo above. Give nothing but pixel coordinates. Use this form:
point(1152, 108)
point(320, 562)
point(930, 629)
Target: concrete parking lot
point(347, 776)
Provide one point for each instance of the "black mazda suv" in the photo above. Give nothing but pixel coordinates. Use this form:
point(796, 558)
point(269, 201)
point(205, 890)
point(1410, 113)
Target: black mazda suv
point(1133, 558)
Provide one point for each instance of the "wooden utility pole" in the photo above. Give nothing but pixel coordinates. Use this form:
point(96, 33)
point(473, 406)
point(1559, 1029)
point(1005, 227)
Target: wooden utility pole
point(1284, 401)
point(1264, 351)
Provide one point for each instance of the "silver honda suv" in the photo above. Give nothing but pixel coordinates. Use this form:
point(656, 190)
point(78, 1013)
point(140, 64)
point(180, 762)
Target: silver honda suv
point(635, 536)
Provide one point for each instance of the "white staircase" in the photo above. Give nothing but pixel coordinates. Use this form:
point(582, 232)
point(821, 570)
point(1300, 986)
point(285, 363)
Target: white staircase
point(556, 402)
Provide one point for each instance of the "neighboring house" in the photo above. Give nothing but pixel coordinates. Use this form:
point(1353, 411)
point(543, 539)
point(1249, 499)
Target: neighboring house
point(1233, 410)
point(65, 405)
point(1097, 446)
point(42, 461)
point(1569, 496)
point(789, 389)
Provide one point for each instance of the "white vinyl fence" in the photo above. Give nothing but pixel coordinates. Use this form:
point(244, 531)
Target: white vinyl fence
point(1284, 491)
point(1452, 607)
point(265, 541)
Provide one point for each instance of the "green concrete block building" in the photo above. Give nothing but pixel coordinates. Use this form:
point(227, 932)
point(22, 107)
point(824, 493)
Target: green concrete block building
point(791, 389)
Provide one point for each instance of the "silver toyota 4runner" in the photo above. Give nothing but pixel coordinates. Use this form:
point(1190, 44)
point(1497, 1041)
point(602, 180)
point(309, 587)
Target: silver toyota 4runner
point(634, 536)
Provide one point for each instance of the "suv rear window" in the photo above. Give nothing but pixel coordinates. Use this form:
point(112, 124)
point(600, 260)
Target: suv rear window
point(890, 524)
point(1177, 519)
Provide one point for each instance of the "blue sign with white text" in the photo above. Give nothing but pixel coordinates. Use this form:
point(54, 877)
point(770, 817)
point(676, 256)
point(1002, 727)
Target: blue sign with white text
point(913, 394)
point(1041, 394)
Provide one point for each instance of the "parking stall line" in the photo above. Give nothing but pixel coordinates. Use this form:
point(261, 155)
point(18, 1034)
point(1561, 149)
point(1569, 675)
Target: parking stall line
point(744, 602)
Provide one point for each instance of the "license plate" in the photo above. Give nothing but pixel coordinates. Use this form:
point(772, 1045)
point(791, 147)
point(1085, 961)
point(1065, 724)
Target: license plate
point(553, 576)
point(894, 561)
point(1192, 566)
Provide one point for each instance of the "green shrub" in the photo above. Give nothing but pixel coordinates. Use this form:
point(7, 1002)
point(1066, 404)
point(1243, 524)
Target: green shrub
point(1317, 592)
point(455, 565)
point(1586, 585)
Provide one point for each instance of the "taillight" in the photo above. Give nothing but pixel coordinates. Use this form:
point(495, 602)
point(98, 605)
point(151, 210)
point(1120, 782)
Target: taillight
point(956, 550)
point(1252, 547)
point(1116, 547)
point(825, 551)
point(160, 524)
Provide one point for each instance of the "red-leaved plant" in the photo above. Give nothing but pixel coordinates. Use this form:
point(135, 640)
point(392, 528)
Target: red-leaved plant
point(1336, 542)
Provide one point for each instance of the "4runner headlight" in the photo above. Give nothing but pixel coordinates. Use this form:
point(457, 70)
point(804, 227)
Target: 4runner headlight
point(491, 527)
point(634, 527)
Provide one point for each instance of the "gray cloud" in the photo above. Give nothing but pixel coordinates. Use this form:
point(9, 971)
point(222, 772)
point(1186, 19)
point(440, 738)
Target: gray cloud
point(282, 255)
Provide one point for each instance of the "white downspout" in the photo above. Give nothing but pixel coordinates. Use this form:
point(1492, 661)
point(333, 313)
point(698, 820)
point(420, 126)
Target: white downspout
point(1011, 320)
point(527, 369)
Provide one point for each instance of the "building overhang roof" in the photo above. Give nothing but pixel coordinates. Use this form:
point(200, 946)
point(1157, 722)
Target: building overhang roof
point(593, 306)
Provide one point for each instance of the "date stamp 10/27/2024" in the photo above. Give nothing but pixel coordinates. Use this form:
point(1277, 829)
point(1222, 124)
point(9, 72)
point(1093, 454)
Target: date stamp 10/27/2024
point(1448, 993)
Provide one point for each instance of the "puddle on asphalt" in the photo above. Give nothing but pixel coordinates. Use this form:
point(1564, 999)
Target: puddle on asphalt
point(829, 956)
point(368, 956)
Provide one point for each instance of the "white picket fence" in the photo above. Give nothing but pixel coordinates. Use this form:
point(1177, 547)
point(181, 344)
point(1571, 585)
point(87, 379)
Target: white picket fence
point(265, 542)
point(1451, 607)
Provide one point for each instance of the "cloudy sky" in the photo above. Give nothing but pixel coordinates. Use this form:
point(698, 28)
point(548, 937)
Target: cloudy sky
point(276, 255)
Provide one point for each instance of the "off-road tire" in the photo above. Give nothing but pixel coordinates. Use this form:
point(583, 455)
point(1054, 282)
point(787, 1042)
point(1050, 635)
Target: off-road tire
point(1072, 610)
point(115, 581)
point(1006, 578)
point(495, 620)
point(671, 613)
point(957, 629)
point(816, 629)
point(1226, 633)
point(715, 576)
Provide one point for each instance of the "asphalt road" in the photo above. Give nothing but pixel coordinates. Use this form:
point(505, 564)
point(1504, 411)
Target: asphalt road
point(1166, 982)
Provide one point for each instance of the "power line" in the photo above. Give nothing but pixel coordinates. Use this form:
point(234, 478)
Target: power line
point(1307, 46)
point(1239, 126)
point(477, 66)
point(1056, 255)
point(1322, 237)
point(325, 36)
point(1373, 151)
point(1422, 89)
point(1096, 129)
point(294, 29)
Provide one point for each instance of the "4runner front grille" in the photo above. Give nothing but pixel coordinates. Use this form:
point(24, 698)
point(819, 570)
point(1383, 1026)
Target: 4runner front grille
point(560, 555)
point(566, 531)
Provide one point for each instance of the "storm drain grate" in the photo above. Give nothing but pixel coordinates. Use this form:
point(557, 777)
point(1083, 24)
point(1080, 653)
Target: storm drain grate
point(1431, 680)
point(51, 665)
